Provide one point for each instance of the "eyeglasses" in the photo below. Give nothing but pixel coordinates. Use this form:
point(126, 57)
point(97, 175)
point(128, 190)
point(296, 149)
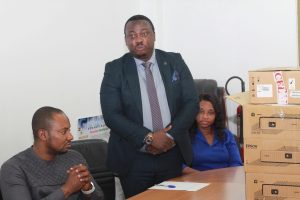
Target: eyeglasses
point(133, 35)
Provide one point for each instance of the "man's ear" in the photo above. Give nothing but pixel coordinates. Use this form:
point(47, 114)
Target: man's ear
point(43, 134)
point(125, 41)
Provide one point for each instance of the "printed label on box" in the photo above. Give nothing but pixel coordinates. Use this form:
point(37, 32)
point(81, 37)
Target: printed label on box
point(264, 90)
point(295, 94)
point(282, 94)
point(292, 84)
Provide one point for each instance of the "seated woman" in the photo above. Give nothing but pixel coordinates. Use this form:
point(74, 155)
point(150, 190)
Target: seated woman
point(214, 146)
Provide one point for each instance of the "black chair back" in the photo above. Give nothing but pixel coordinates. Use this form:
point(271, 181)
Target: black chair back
point(95, 153)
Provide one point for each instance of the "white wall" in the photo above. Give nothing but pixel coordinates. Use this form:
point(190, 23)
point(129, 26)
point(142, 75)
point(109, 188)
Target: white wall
point(219, 39)
point(53, 52)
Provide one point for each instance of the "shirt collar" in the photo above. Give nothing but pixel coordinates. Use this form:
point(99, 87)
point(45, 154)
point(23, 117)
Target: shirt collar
point(139, 62)
point(201, 136)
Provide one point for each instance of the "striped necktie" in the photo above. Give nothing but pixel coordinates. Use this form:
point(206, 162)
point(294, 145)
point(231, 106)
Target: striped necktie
point(153, 100)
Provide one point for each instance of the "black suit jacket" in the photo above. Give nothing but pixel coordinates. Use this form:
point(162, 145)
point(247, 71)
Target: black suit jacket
point(121, 105)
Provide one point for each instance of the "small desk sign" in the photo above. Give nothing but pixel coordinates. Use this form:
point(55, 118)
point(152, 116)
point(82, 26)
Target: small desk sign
point(93, 128)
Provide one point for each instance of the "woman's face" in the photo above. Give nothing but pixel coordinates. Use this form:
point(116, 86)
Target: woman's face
point(206, 116)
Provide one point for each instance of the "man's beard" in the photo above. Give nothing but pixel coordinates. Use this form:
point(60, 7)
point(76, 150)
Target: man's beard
point(55, 152)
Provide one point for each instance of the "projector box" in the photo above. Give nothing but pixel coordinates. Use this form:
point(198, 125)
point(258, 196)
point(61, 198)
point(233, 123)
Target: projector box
point(263, 186)
point(275, 85)
point(272, 156)
point(269, 121)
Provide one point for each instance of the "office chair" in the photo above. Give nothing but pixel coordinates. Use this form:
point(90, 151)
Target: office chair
point(1, 195)
point(95, 152)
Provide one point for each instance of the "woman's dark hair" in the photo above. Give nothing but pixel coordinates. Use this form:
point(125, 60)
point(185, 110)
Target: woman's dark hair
point(219, 123)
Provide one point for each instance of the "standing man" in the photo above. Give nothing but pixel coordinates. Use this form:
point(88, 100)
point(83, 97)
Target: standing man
point(149, 101)
point(48, 169)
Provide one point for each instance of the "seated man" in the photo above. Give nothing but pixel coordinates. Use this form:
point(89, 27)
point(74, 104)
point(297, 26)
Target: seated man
point(48, 169)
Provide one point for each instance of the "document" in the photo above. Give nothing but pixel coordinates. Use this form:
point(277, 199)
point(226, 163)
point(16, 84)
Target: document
point(174, 185)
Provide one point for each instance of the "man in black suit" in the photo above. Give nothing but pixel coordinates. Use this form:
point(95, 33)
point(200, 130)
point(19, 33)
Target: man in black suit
point(138, 152)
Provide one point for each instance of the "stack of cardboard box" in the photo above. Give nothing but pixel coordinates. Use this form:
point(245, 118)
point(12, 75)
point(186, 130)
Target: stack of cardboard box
point(271, 114)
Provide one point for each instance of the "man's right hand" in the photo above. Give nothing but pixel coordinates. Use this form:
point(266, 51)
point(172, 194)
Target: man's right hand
point(152, 150)
point(78, 177)
point(161, 141)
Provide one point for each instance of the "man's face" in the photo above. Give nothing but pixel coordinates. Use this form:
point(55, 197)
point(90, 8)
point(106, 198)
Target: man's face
point(59, 136)
point(140, 38)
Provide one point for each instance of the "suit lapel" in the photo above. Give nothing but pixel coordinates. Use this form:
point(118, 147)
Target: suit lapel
point(131, 74)
point(166, 69)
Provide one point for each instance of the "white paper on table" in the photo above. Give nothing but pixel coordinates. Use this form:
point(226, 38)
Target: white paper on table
point(174, 185)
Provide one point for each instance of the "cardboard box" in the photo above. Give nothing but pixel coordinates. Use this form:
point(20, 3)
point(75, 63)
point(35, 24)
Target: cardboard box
point(269, 121)
point(272, 156)
point(262, 186)
point(275, 85)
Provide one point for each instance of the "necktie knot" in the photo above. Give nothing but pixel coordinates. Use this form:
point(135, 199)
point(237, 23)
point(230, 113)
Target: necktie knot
point(147, 65)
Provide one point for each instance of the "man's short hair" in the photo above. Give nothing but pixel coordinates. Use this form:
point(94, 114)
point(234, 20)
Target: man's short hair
point(42, 119)
point(139, 17)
